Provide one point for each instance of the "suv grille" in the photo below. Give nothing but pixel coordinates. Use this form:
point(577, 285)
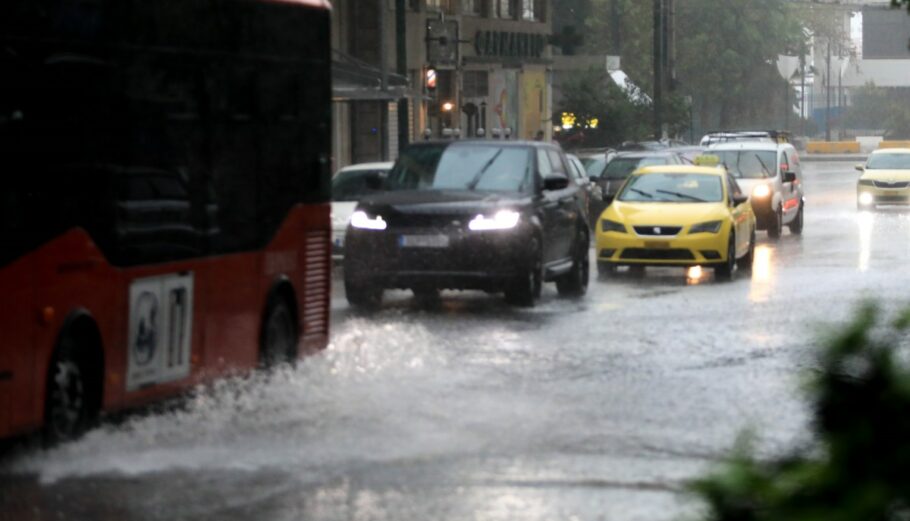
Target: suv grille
point(885, 184)
point(662, 231)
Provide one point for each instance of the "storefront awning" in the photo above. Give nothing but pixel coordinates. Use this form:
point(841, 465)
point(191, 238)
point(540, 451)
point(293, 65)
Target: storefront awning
point(353, 80)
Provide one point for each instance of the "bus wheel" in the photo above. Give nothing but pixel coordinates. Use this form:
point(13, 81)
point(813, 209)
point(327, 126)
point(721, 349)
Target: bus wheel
point(68, 404)
point(278, 343)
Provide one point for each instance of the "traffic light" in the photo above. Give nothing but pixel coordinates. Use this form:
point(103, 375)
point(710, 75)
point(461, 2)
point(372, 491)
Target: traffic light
point(431, 80)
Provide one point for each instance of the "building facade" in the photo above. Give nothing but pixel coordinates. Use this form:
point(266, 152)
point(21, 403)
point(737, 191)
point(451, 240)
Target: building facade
point(409, 69)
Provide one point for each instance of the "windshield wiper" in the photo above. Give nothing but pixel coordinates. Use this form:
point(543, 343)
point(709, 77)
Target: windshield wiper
point(682, 195)
point(642, 192)
point(476, 179)
point(763, 167)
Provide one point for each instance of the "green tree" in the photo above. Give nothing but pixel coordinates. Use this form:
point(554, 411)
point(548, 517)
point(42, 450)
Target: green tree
point(858, 468)
point(727, 57)
point(726, 53)
point(592, 95)
point(877, 108)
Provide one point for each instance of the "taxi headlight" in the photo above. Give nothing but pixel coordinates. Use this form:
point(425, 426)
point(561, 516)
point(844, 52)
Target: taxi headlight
point(866, 198)
point(866, 182)
point(607, 225)
point(706, 227)
point(502, 220)
point(360, 219)
point(761, 191)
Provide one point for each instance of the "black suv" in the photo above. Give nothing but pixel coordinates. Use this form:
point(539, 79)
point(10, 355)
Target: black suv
point(487, 215)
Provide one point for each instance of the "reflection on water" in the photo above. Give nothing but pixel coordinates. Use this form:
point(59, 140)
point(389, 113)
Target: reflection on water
point(695, 275)
point(866, 222)
point(762, 274)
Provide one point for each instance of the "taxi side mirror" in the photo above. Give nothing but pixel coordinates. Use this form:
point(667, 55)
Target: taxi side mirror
point(789, 177)
point(861, 168)
point(739, 199)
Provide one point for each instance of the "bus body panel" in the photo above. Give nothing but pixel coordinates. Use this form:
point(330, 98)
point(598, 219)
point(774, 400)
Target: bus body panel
point(233, 126)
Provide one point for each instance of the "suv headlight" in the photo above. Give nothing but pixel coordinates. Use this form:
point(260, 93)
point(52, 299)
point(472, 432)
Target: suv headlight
point(761, 191)
point(360, 219)
point(607, 225)
point(706, 227)
point(502, 220)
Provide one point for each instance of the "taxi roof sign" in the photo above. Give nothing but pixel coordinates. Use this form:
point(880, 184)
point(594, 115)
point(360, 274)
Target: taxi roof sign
point(707, 160)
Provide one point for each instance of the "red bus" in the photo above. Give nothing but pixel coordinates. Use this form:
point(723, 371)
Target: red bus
point(165, 199)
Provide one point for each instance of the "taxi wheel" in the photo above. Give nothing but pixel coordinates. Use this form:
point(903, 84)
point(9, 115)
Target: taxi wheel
point(575, 282)
point(796, 227)
point(745, 263)
point(526, 288)
point(776, 226)
point(725, 270)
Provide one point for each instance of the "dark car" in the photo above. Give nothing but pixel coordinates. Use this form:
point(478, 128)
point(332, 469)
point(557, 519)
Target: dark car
point(487, 215)
point(615, 172)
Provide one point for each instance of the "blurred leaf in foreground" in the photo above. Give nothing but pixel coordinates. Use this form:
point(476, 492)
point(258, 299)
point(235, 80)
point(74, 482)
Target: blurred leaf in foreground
point(859, 466)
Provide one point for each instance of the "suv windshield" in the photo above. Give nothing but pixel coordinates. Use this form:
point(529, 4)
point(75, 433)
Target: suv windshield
point(479, 167)
point(673, 188)
point(888, 161)
point(749, 164)
point(621, 167)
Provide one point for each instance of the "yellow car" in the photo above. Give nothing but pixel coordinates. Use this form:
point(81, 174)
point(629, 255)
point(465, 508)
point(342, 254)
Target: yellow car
point(677, 216)
point(885, 179)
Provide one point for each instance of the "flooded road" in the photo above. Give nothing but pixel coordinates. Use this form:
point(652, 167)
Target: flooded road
point(601, 408)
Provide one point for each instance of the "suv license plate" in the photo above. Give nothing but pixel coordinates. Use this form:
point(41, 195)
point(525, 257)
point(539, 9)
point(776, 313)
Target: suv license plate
point(424, 241)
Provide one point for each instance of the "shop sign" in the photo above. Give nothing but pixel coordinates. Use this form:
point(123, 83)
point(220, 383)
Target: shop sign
point(509, 44)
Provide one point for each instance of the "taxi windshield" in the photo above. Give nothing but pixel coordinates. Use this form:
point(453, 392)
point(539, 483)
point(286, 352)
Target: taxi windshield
point(888, 161)
point(749, 164)
point(673, 188)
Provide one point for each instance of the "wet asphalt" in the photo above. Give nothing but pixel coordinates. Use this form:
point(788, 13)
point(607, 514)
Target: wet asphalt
point(599, 408)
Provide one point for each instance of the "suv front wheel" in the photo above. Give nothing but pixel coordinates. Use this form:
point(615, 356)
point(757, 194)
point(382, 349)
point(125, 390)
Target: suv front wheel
point(525, 288)
point(776, 226)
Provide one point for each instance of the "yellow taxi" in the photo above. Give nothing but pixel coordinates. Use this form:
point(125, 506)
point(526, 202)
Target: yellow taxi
point(678, 215)
point(885, 179)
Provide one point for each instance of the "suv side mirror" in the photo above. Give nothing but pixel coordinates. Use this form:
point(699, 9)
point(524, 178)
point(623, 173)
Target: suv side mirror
point(739, 199)
point(555, 182)
point(861, 168)
point(789, 177)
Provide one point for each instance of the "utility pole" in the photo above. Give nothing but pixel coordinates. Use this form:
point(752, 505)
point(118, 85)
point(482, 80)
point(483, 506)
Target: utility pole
point(615, 28)
point(663, 61)
point(401, 58)
point(657, 51)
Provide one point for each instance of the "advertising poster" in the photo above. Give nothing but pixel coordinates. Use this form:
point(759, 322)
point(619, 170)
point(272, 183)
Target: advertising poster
point(504, 93)
point(533, 91)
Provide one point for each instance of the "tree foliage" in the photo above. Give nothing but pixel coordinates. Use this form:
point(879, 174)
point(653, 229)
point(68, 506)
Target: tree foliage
point(859, 467)
point(876, 108)
point(592, 95)
point(726, 53)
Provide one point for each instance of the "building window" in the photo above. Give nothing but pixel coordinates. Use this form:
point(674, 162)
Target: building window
point(441, 5)
point(474, 7)
point(475, 84)
point(532, 10)
point(502, 8)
